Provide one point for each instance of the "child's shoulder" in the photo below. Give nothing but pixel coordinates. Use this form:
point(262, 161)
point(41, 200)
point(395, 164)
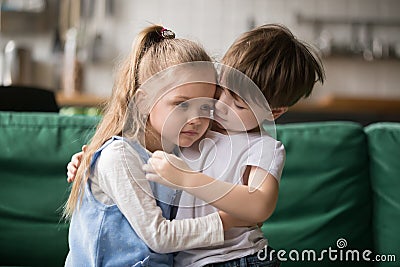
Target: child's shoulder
point(265, 141)
point(213, 135)
point(118, 149)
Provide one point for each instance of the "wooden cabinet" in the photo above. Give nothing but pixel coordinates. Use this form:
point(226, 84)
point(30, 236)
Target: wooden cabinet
point(81, 100)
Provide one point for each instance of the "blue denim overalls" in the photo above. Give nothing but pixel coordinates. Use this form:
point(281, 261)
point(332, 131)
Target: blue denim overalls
point(100, 235)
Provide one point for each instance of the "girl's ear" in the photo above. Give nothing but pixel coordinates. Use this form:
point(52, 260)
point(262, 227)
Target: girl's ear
point(141, 101)
point(277, 112)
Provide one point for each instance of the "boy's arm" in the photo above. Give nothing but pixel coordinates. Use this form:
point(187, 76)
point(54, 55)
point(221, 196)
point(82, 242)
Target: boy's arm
point(255, 205)
point(229, 221)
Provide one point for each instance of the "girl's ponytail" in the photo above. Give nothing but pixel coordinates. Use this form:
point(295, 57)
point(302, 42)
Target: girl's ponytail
point(146, 38)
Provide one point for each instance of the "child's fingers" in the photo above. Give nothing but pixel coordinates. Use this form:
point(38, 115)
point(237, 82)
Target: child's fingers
point(70, 179)
point(71, 168)
point(75, 162)
point(76, 159)
point(71, 172)
point(152, 177)
point(159, 154)
point(154, 162)
point(84, 148)
point(148, 168)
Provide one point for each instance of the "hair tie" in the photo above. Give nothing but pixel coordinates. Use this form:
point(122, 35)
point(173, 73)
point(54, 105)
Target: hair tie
point(167, 34)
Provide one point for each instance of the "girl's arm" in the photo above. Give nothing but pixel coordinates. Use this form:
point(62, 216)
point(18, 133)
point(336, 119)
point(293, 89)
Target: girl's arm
point(241, 201)
point(228, 221)
point(120, 176)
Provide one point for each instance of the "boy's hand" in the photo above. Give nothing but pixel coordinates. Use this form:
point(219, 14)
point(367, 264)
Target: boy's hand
point(74, 164)
point(229, 221)
point(167, 169)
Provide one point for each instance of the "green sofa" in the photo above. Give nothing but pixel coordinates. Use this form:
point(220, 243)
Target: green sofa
point(339, 191)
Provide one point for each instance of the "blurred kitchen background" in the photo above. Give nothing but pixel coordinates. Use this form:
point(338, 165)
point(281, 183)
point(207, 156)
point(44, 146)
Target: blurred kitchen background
point(72, 47)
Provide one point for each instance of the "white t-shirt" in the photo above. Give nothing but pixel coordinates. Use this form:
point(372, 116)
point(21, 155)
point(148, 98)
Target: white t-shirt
point(225, 157)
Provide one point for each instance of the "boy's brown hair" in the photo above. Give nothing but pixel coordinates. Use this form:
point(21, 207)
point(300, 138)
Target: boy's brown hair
point(284, 68)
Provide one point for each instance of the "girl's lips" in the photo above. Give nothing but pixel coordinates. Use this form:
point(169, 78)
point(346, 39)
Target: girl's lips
point(190, 133)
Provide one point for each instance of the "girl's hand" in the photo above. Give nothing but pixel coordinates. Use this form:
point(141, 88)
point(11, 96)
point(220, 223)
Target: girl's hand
point(74, 164)
point(167, 169)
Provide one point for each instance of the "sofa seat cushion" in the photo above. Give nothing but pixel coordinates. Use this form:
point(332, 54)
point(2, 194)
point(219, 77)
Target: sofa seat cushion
point(34, 151)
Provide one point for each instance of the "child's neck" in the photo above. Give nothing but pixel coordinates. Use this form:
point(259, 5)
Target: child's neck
point(217, 128)
point(153, 143)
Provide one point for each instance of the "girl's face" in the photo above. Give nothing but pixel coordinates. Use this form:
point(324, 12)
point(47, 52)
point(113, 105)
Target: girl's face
point(181, 116)
point(232, 113)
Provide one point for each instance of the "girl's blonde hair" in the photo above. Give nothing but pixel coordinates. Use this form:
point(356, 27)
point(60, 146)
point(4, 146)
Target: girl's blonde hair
point(151, 53)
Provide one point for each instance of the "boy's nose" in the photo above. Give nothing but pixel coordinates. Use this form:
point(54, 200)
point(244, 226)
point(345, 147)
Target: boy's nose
point(221, 107)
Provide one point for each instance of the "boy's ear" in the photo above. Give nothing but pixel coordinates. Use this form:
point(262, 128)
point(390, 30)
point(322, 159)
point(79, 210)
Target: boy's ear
point(277, 112)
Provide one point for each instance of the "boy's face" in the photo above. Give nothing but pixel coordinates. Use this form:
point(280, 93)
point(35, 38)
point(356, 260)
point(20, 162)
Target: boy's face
point(232, 113)
point(182, 115)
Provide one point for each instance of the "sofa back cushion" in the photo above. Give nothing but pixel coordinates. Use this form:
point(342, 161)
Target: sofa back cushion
point(324, 199)
point(34, 151)
point(384, 151)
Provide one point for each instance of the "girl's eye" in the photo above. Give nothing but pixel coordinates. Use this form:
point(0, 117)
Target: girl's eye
point(207, 110)
point(206, 107)
point(182, 105)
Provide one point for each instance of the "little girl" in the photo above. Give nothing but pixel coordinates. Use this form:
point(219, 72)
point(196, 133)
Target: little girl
point(115, 220)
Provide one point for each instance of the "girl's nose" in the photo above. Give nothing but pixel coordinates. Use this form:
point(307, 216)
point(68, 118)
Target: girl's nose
point(195, 121)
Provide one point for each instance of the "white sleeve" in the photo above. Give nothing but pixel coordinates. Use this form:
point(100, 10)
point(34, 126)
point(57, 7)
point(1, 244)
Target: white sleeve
point(268, 154)
point(120, 175)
